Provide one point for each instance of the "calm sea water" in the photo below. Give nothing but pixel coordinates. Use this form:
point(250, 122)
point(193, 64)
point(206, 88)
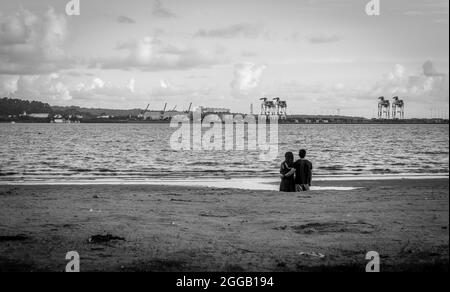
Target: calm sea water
point(138, 151)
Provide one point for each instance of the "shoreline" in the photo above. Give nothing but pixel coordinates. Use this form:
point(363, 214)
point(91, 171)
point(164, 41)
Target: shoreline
point(417, 121)
point(251, 183)
point(174, 228)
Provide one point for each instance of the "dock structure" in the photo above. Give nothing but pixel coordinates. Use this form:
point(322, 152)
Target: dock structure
point(388, 110)
point(384, 108)
point(273, 107)
point(324, 119)
point(398, 108)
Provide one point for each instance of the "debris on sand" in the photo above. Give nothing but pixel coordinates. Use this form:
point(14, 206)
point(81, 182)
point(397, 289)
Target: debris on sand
point(179, 200)
point(9, 192)
point(104, 238)
point(312, 254)
point(14, 238)
point(241, 249)
point(334, 227)
point(213, 215)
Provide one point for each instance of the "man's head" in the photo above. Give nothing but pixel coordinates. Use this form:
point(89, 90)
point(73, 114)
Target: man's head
point(302, 153)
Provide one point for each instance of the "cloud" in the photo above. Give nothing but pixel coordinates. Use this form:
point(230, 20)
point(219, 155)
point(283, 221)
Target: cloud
point(48, 88)
point(167, 89)
point(32, 43)
point(324, 39)
point(419, 91)
point(247, 77)
point(98, 88)
point(241, 30)
point(430, 71)
point(165, 84)
point(428, 86)
point(57, 89)
point(160, 11)
point(8, 84)
point(97, 83)
point(125, 19)
point(132, 85)
point(151, 54)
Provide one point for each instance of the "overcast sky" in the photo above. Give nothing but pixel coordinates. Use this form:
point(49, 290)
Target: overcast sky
point(320, 55)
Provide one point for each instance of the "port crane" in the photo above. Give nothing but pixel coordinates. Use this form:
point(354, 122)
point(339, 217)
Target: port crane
point(141, 115)
point(398, 108)
point(163, 111)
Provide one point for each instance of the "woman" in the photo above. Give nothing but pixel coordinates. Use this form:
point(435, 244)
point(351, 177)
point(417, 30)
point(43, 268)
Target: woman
point(287, 180)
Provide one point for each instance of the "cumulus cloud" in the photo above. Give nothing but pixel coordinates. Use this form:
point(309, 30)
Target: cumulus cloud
point(97, 83)
point(151, 54)
point(58, 89)
point(160, 11)
point(31, 43)
point(247, 77)
point(48, 88)
point(418, 90)
point(8, 84)
point(132, 85)
point(165, 84)
point(98, 91)
point(243, 30)
point(430, 71)
point(98, 88)
point(125, 19)
point(168, 89)
point(430, 85)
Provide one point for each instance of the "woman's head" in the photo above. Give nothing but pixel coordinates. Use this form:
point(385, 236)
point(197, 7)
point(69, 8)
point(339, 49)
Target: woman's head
point(289, 156)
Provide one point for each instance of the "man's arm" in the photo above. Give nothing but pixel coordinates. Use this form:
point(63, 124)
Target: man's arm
point(310, 174)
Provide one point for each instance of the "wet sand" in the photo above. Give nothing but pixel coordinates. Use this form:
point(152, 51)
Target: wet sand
point(174, 228)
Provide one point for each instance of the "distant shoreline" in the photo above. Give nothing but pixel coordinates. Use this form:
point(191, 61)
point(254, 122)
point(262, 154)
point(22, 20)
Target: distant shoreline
point(256, 184)
point(370, 122)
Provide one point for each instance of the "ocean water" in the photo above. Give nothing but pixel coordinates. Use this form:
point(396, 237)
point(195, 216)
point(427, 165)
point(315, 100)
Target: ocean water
point(42, 152)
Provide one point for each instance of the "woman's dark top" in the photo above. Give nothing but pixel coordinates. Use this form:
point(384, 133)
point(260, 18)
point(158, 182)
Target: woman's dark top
point(287, 183)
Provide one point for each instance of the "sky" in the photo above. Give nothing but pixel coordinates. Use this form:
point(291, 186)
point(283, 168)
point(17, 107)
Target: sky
point(321, 56)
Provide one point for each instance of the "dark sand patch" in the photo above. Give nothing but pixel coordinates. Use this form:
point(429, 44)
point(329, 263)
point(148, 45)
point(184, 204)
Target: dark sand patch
point(334, 227)
point(14, 238)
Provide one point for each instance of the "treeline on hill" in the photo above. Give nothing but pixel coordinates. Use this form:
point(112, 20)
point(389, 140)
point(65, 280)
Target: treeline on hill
point(16, 107)
point(94, 112)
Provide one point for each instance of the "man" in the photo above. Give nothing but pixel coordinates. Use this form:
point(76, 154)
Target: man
point(303, 173)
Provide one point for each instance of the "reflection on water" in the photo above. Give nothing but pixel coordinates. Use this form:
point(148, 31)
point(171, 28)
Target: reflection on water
point(136, 151)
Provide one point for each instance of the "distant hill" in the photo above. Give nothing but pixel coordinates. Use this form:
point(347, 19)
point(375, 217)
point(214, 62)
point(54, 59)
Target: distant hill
point(16, 107)
point(94, 112)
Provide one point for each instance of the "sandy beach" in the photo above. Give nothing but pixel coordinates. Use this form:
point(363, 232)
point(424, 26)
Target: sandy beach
point(174, 228)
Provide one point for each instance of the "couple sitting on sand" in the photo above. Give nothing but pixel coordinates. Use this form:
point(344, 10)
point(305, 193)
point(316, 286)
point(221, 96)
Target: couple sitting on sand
point(296, 176)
